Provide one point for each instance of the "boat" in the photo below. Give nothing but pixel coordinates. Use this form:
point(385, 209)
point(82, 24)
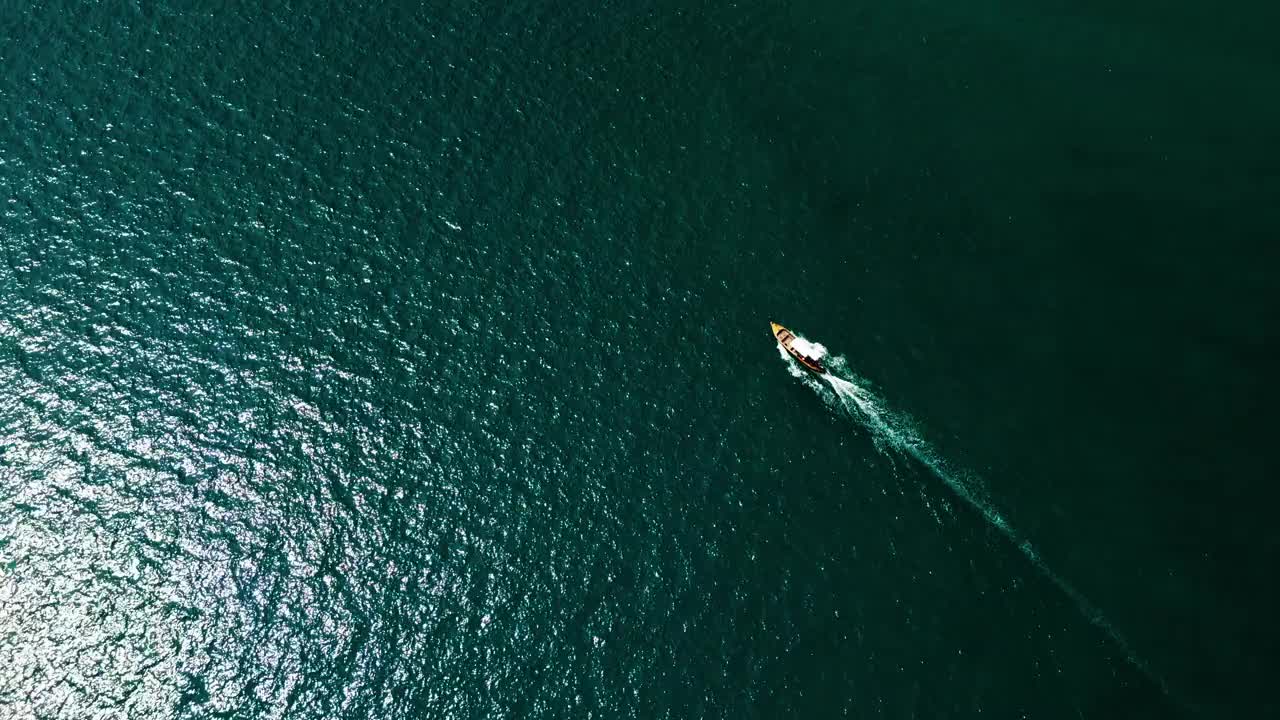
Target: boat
point(787, 340)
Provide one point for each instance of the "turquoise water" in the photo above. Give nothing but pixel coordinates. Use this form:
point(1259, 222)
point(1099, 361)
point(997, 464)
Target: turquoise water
point(413, 361)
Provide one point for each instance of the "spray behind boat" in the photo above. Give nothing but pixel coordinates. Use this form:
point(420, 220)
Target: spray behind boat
point(896, 434)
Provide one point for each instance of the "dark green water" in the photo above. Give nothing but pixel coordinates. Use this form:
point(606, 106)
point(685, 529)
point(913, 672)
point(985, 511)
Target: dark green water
point(413, 361)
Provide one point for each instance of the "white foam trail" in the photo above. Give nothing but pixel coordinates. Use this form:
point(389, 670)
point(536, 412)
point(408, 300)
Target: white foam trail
point(894, 432)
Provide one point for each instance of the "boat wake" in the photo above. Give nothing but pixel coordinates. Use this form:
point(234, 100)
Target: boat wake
point(897, 436)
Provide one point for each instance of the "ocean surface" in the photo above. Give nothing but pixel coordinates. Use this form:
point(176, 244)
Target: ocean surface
point(413, 360)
